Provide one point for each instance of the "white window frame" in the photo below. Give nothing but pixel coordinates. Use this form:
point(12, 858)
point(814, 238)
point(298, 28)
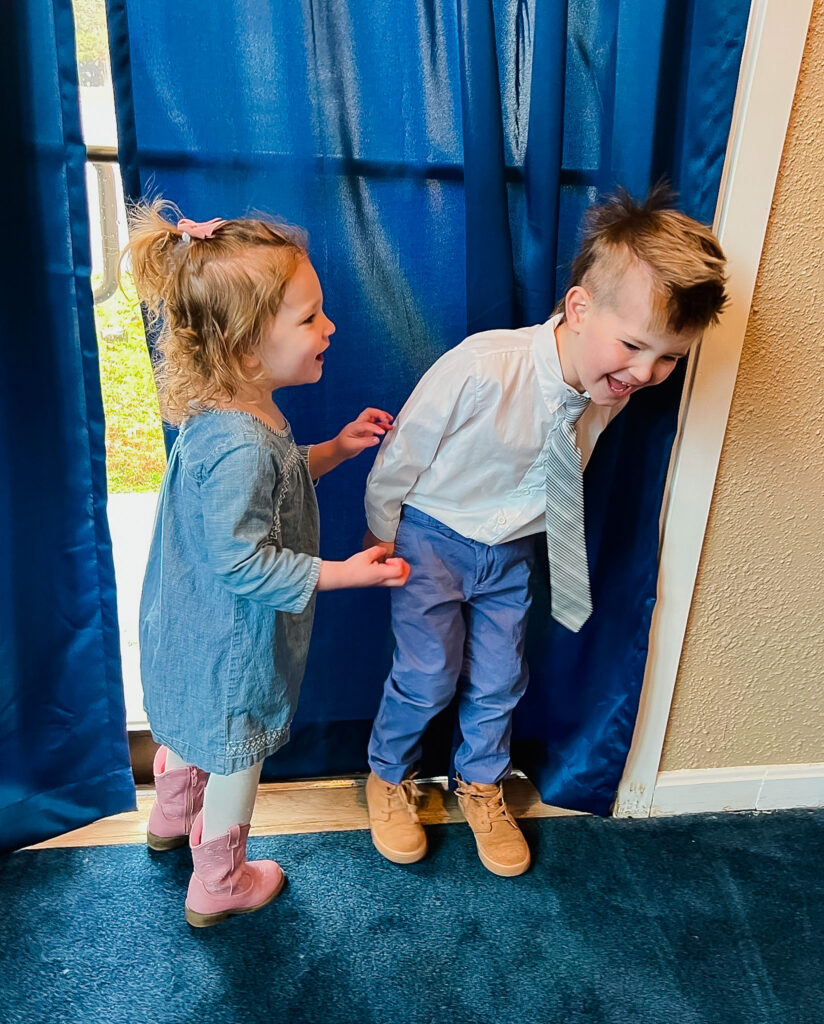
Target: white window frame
point(770, 63)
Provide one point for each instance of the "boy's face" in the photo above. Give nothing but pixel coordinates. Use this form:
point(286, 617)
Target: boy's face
point(608, 350)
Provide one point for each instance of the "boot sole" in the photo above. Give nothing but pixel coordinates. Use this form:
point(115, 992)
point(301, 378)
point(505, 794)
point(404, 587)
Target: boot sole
point(160, 843)
point(504, 870)
point(197, 920)
point(400, 856)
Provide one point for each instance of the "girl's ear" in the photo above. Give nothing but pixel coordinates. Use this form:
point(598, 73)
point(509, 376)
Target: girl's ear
point(576, 305)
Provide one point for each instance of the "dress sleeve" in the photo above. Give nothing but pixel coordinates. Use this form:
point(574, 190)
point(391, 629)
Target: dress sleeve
point(238, 492)
point(304, 454)
point(444, 399)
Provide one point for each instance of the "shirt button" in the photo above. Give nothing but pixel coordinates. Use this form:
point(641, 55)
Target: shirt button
point(501, 519)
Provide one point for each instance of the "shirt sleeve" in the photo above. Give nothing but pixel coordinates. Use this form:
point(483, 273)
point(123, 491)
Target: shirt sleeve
point(444, 399)
point(238, 492)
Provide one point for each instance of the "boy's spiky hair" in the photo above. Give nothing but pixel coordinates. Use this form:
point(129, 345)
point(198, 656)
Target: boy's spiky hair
point(683, 257)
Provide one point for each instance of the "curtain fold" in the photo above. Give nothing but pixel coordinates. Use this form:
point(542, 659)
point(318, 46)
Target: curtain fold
point(490, 274)
point(441, 154)
point(63, 749)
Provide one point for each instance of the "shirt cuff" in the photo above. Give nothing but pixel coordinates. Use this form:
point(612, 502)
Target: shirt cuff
point(384, 529)
point(309, 587)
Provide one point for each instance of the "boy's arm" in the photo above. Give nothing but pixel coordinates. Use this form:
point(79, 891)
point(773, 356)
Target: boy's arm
point(443, 400)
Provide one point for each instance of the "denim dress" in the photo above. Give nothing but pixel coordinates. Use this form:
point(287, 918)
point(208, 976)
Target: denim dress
point(229, 593)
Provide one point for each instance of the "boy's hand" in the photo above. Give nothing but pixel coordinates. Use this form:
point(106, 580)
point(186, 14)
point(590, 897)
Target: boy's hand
point(364, 432)
point(368, 568)
point(371, 541)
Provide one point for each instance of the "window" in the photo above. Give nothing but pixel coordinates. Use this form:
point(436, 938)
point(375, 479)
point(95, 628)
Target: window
point(135, 456)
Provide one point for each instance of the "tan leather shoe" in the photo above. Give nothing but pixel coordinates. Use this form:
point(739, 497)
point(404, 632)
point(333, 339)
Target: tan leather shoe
point(501, 844)
point(393, 819)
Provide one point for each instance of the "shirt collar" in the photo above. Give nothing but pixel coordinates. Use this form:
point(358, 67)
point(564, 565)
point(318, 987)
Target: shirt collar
point(548, 365)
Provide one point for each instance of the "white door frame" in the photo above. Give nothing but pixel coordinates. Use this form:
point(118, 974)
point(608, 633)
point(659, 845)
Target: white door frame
point(767, 81)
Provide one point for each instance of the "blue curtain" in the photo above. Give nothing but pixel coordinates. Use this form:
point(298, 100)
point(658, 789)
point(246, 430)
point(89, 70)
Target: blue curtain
point(63, 752)
point(441, 154)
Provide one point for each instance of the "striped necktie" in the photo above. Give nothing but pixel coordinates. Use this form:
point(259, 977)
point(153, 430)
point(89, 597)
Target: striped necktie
point(566, 543)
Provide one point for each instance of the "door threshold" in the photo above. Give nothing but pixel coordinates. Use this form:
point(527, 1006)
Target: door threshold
point(312, 805)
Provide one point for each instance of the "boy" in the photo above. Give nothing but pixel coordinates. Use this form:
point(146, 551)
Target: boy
point(487, 453)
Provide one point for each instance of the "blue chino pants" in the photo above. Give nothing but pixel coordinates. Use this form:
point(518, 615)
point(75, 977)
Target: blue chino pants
point(462, 616)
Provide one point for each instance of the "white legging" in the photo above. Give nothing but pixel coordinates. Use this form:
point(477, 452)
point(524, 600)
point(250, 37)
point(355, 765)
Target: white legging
point(228, 800)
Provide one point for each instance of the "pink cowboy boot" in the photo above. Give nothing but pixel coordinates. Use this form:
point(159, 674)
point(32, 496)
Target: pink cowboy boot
point(179, 797)
point(223, 882)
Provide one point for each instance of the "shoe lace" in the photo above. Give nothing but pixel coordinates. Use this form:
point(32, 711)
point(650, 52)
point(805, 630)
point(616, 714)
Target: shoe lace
point(405, 797)
point(494, 803)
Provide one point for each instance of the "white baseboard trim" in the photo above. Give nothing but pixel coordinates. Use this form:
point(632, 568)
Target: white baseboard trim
point(767, 787)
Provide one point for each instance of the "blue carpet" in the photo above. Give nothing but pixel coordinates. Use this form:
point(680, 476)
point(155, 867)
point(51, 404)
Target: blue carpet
point(716, 918)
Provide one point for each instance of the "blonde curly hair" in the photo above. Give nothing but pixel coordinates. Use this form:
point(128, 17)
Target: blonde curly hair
point(211, 299)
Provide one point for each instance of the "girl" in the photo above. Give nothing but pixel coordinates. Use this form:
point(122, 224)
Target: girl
point(229, 592)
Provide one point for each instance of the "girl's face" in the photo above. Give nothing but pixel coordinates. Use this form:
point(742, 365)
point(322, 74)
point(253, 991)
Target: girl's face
point(292, 346)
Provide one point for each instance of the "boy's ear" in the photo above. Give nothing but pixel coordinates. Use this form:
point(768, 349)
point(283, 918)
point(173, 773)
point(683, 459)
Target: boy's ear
point(576, 305)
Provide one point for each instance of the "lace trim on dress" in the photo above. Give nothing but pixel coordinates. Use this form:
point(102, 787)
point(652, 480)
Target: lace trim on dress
point(293, 457)
point(257, 743)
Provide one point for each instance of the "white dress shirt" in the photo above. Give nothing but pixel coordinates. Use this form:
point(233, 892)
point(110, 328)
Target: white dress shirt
point(468, 447)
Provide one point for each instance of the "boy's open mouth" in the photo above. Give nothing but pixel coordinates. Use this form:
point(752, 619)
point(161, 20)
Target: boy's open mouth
point(617, 387)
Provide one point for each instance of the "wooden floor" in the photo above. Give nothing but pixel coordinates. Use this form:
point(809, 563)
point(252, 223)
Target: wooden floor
point(331, 805)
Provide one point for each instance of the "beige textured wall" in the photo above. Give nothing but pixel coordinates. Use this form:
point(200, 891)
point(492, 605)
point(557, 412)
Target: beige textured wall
point(750, 687)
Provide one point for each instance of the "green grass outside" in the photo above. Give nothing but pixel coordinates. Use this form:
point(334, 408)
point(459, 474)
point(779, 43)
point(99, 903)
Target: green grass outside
point(135, 456)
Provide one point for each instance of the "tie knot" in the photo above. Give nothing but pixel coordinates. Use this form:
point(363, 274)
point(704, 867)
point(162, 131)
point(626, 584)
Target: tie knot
point(574, 406)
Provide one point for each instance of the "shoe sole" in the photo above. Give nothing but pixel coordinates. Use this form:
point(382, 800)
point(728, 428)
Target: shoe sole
point(197, 920)
point(161, 843)
point(504, 870)
point(400, 856)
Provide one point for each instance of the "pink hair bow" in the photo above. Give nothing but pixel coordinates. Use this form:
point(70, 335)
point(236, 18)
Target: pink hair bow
point(198, 229)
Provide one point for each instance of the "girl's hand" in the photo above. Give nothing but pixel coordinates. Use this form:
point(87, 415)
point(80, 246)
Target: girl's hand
point(364, 432)
point(368, 568)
